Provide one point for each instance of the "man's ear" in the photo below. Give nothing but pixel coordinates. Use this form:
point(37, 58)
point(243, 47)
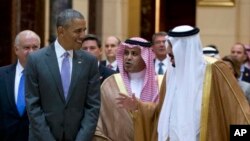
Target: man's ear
point(15, 48)
point(60, 31)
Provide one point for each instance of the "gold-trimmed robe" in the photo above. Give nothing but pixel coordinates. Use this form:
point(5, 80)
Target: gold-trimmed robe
point(223, 104)
point(114, 124)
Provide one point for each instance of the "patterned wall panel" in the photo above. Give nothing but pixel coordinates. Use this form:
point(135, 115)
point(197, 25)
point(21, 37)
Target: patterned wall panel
point(5, 34)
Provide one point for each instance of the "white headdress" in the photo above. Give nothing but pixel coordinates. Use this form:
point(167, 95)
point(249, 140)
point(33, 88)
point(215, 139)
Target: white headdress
point(210, 51)
point(180, 116)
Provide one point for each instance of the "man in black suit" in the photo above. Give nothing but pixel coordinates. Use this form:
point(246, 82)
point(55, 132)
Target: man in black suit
point(92, 44)
point(14, 123)
point(62, 85)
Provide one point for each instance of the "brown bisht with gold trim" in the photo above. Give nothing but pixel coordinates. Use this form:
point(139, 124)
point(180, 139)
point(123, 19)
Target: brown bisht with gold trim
point(115, 124)
point(223, 104)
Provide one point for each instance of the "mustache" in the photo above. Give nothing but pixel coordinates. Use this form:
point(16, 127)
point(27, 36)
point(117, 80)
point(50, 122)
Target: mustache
point(128, 63)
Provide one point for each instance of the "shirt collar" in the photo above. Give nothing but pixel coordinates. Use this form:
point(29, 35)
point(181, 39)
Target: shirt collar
point(60, 50)
point(19, 68)
point(242, 68)
point(157, 61)
point(113, 64)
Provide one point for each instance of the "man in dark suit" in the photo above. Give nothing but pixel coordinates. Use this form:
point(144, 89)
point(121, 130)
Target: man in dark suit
point(14, 123)
point(62, 85)
point(111, 45)
point(92, 44)
point(159, 48)
point(239, 52)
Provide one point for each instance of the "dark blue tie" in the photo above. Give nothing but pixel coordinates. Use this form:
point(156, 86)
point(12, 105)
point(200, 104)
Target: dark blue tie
point(20, 97)
point(65, 74)
point(160, 71)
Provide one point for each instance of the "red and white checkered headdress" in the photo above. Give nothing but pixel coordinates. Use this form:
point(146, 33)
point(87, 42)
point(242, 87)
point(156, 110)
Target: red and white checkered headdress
point(150, 88)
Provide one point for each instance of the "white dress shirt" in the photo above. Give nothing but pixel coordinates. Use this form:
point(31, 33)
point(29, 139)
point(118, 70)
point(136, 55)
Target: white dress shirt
point(113, 64)
point(164, 66)
point(19, 72)
point(59, 55)
point(136, 82)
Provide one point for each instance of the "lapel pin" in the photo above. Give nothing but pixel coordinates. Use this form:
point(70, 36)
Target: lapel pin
point(79, 62)
point(246, 74)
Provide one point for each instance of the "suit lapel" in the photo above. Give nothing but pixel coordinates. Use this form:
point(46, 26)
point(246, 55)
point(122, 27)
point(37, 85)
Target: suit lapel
point(52, 63)
point(77, 63)
point(10, 81)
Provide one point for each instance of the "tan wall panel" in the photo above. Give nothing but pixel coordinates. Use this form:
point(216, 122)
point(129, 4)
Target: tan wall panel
point(46, 20)
point(244, 21)
point(81, 6)
point(223, 26)
point(217, 25)
point(114, 18)
point(134, 18)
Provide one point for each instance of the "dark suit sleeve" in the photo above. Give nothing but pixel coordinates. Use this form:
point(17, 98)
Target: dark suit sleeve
point(38, 125)
point(92, 106)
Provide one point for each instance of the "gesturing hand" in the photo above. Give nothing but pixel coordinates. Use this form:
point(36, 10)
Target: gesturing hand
point(128, 102)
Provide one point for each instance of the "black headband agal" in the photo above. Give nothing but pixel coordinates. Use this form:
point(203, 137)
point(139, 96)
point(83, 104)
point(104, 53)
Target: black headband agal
point(210, 51)
point(183, 34)
point(134, 42)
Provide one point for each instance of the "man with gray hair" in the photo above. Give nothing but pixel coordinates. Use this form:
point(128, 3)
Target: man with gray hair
point(63, 90)
point(158, 47)
point(14, 122)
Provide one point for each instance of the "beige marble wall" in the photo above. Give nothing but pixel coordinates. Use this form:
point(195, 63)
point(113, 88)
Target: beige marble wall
point(115, 17)
point(223, 26)
point(134, 25)
point(46, 37)
point(121, 18)
point(81, 6)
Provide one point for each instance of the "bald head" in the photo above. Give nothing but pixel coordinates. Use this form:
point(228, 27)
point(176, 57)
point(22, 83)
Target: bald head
point(111, 45)
point(26, 42)
point(239, 52)
point(26, 34)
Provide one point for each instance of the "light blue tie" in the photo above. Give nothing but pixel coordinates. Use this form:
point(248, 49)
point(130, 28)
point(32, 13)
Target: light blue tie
point(65, 74)
point(20, 97)
point(160, 71)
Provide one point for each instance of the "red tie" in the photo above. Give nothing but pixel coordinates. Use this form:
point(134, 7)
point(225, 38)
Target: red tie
point(110, 66)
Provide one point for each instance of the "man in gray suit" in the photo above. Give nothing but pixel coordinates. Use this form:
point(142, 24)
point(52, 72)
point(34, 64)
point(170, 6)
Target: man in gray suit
point(62, 85)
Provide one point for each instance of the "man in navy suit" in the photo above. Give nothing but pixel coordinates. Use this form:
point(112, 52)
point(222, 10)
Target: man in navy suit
point(14, 123)
point(92, 44)
point(63, 87)
point(158, 47)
